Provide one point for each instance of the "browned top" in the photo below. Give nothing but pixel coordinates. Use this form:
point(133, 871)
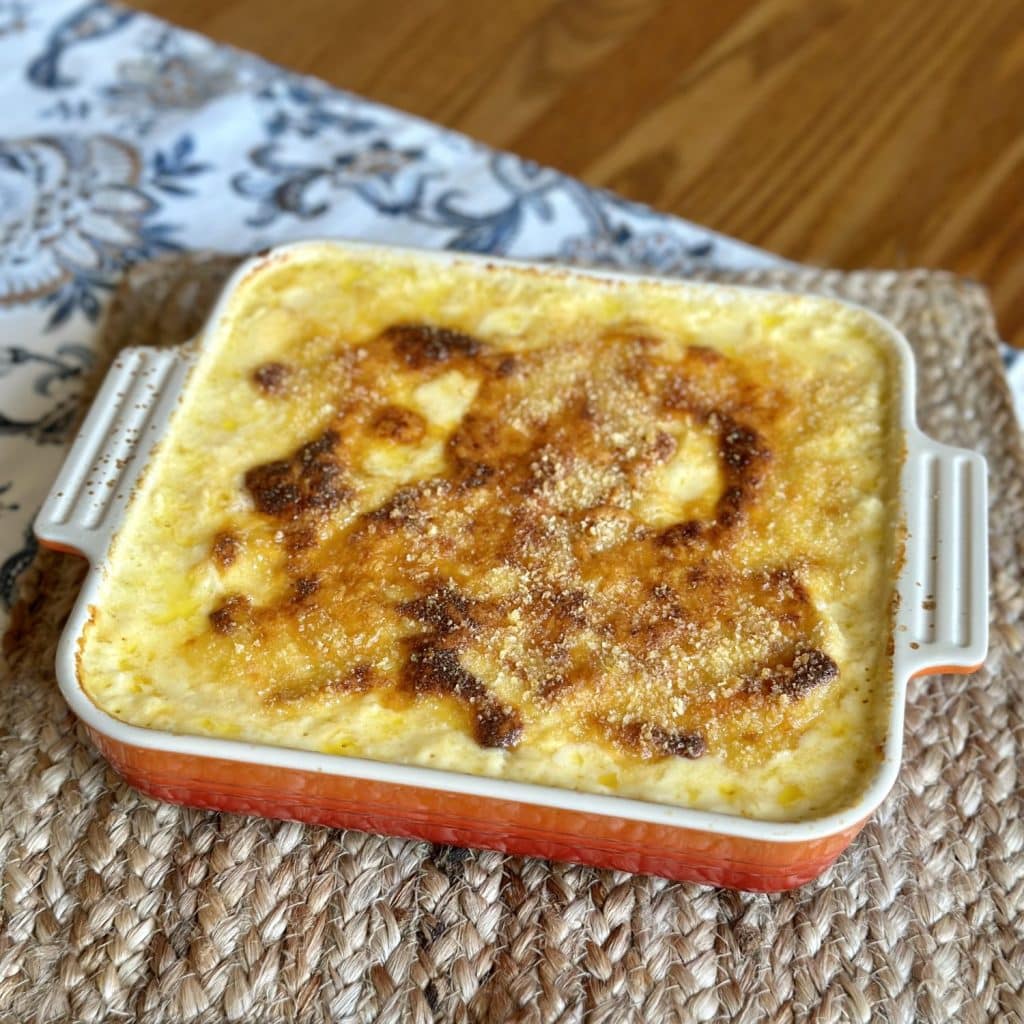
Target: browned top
point(521, 576)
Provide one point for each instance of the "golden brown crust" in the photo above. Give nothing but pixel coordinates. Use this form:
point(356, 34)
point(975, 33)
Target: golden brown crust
point(539, 486)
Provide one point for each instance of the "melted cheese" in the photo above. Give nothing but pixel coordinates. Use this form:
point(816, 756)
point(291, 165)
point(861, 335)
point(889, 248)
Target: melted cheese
point(684, 487)
point(632, 539)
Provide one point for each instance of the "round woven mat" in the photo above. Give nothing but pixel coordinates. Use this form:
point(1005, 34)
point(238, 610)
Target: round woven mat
point(115, 907)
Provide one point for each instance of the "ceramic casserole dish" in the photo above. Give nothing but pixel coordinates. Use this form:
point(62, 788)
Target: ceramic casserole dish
point(409, 542)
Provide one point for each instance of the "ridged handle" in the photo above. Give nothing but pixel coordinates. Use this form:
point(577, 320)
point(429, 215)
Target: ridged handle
point(944, 626)
point(85, 503)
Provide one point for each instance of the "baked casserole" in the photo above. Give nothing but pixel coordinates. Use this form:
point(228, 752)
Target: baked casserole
point(621, 537)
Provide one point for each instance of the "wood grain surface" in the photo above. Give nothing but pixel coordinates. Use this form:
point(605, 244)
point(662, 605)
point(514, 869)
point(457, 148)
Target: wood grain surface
point(849, 133)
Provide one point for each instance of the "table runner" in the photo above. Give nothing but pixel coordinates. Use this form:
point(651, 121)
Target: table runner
point(120, 907)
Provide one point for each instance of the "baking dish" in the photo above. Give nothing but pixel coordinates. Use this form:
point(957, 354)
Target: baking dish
point(941, 624)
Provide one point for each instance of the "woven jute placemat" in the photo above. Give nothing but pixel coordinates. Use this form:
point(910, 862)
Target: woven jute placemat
point(116, 907)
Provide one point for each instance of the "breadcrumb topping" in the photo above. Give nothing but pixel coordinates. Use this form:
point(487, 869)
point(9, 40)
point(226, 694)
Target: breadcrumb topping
point(519, 576)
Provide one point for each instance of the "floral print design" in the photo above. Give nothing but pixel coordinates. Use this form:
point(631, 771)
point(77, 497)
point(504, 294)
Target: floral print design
point(175, 82)
point(73, 214)
point(85, 23)
point(319, 159)
point(55, 377)
point(389, 179)
point(68, 207)
point(172, 75)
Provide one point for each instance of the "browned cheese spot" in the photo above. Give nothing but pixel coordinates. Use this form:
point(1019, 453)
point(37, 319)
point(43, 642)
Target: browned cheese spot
point(796, 676)
point(651, 741)
point(475, 474)
point(497, 725)
point(407, 505)
point(311, 480)
point(272, 378)
point(405, 426)
point(225, 548)
point(680, 534)
point(298, 538)
point(431, 668)
point(444, 610)
point(305, 586)
point(233, 612)
point(422, 344)
point(361, 678)
point(664, 446)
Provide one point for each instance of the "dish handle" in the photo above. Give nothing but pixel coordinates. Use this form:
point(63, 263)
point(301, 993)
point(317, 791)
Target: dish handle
point(85, 502)
point(942, 624)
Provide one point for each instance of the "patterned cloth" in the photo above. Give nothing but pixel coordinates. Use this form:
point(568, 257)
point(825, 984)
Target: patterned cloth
point(126, 138)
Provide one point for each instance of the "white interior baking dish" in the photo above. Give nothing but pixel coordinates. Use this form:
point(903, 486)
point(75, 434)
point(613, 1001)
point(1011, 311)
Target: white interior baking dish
point(941, 625)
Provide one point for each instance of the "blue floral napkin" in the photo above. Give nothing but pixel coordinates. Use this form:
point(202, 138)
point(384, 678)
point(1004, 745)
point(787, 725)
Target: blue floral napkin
point(125, 138)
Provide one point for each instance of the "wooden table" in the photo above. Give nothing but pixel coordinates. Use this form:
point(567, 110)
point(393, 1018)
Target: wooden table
point(853, 133)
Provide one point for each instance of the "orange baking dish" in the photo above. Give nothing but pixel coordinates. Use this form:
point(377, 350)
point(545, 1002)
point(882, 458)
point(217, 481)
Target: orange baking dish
point(943, 510)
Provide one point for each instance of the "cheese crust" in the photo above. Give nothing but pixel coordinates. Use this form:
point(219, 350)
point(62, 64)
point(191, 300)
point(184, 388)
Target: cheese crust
point(630, 538)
